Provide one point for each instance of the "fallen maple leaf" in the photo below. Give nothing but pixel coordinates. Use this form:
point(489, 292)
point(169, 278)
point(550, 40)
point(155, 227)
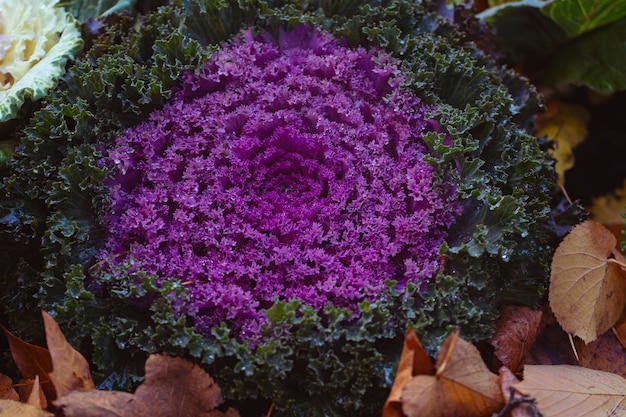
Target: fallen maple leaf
point(31, 361)
point(6, 389)
point(573, 391)
point(587, 287)
point(413, 361)
point(173, 387)
point(9, 408)
point(462, 385)
point(70, 369)
point(516, 331)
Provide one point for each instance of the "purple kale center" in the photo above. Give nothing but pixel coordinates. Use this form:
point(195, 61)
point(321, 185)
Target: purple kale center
point(280, 171)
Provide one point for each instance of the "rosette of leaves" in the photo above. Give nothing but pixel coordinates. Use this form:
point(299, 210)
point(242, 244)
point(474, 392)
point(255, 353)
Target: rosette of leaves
point(307, 358)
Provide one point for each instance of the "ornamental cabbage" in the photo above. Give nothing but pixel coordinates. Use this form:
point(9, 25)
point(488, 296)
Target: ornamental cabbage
point(281, 171)
point(36, 40)
point(277, 190)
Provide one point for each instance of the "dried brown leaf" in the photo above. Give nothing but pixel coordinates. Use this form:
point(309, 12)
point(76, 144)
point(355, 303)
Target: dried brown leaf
point(70, 368)
point(413, 361)
point(604, 354)
point(32, 360)
point(37, 397)
point(173, 387)
point(10, 408)
point(573, 391)
point(516, 331)
point(462, 385)
point(521, 409)
point(6, 389)
point(587, 289)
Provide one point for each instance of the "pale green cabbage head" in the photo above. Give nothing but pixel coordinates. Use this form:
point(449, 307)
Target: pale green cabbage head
point(36, 40)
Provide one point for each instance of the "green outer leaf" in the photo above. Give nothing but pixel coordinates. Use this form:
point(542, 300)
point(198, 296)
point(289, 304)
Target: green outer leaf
point(580, 16)
point(596, 59)
point(524, 32)
point(581, 42)
point(492, 12)
point(44, 75)
point(575, 17)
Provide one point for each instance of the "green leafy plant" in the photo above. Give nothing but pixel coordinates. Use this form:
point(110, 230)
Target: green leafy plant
point(327, 361)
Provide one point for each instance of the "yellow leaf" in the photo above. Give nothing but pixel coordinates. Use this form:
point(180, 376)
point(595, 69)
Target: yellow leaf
point(70, 370)
point(567, 126)
point(573, 391)
point(462, 385)
point(9, 408)
point(587, 290)
point(610, 208)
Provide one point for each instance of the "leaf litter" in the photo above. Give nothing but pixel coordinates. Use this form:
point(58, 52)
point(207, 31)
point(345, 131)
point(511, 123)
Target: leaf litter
point(461, 384)
point(173, 387)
